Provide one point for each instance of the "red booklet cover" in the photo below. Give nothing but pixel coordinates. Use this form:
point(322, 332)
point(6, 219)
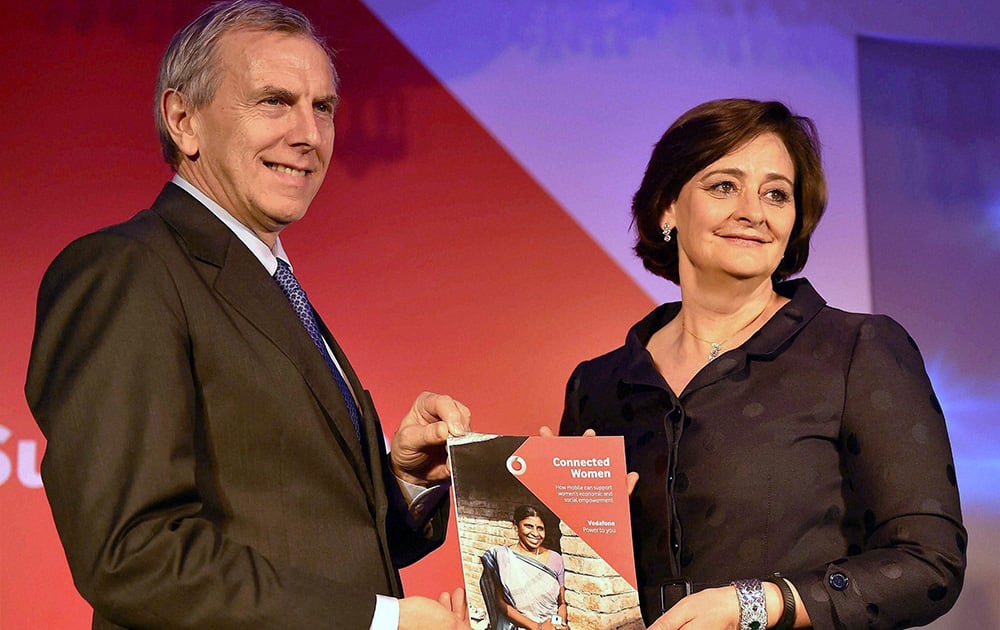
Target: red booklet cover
point(544, 532)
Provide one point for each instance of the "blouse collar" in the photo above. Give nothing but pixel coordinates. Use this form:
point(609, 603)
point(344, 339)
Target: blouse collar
point(805, 303)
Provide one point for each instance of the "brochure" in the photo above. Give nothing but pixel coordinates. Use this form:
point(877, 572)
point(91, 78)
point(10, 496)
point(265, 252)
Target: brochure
point(544, 521)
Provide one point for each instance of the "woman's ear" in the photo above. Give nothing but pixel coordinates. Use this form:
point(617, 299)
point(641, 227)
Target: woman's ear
point(667, 216)
point(179, 117)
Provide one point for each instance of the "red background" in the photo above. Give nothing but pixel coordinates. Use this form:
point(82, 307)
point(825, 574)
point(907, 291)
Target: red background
point(436, 259)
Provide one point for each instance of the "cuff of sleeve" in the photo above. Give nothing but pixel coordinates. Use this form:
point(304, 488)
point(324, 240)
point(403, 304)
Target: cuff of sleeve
point(831, 597)
point(386, 613)
point(421, 501)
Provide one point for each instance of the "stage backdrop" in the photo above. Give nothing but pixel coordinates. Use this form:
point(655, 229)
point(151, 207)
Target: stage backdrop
point(473, 236)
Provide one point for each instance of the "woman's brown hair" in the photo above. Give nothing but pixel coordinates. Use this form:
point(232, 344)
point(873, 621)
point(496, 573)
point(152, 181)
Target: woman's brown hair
point(700, 137)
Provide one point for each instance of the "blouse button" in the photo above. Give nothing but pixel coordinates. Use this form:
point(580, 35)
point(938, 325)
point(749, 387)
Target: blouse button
point(839, 581)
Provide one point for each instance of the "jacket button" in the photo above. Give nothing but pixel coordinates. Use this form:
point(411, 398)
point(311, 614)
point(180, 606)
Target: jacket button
point(839, 581)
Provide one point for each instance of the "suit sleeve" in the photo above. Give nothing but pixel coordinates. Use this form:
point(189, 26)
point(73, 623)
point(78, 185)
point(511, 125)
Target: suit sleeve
point(413, 536)
point(112, 387)
point(414, 530)
point(900, 476)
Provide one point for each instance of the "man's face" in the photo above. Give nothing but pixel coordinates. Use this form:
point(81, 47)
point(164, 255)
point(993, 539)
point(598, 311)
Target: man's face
point(265, 140)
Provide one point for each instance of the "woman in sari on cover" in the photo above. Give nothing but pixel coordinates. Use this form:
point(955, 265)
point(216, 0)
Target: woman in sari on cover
point(522, 585)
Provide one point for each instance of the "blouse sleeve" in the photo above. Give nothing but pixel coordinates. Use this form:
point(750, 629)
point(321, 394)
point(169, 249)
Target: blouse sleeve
point(559, 567)
point(570, 422)
point(900, 480)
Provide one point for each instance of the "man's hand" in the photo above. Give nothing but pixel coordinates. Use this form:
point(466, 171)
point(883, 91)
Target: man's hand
point(456, 603)
point(449, 612)
point(418, 452)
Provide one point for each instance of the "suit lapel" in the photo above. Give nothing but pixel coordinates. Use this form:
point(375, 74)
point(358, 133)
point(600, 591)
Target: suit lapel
point(244, 283)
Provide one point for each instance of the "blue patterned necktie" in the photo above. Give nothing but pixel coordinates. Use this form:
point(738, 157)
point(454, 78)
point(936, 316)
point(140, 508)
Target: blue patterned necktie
point(300, 304)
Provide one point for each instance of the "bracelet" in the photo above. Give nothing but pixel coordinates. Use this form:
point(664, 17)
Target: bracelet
point(753, 605)
point(787, 620)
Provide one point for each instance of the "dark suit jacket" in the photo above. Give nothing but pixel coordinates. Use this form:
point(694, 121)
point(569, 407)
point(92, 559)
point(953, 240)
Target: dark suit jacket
point(201, 466)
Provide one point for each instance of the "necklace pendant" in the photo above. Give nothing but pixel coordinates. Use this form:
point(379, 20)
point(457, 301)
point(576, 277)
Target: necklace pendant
point(715, 351)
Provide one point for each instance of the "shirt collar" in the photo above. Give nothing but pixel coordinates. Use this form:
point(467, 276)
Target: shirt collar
point(259, 248)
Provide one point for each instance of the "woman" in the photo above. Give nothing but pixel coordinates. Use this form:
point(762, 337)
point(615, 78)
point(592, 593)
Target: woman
point(771, 433)
point(523, 584)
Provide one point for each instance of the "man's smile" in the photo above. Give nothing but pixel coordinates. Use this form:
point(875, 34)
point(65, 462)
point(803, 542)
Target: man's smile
point(288, 170)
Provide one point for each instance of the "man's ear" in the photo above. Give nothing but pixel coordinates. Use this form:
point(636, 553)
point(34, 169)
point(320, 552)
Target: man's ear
point(178, 114)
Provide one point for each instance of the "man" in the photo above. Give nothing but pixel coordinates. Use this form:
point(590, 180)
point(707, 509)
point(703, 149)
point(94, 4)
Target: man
point(213, 461)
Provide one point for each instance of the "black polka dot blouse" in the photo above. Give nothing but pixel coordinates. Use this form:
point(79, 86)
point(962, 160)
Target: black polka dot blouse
point(817, 449)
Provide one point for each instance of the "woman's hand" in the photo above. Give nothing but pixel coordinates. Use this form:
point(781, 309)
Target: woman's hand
point(545, 431)
point(711, 609)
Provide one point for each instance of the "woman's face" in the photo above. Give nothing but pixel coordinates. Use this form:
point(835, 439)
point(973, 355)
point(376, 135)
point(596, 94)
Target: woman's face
point(531, 532)
point(735, 216)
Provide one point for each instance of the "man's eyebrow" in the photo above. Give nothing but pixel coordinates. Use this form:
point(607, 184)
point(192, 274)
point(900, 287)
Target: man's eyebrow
point(287, 96)
point(282, 93)
point(333, 100)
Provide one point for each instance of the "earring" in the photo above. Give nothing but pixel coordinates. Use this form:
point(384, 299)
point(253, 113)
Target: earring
point(666, 232)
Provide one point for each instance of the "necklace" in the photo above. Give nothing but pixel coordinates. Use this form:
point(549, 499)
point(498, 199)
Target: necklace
point(717, 345)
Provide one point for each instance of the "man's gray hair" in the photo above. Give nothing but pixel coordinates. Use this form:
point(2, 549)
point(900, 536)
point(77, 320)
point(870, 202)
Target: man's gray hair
point(191, 64)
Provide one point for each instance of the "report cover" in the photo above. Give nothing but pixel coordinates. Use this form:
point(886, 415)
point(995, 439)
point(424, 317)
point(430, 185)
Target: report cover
point(544, 532)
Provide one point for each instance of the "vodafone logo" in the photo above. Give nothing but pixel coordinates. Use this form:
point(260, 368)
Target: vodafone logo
point(516, 465)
